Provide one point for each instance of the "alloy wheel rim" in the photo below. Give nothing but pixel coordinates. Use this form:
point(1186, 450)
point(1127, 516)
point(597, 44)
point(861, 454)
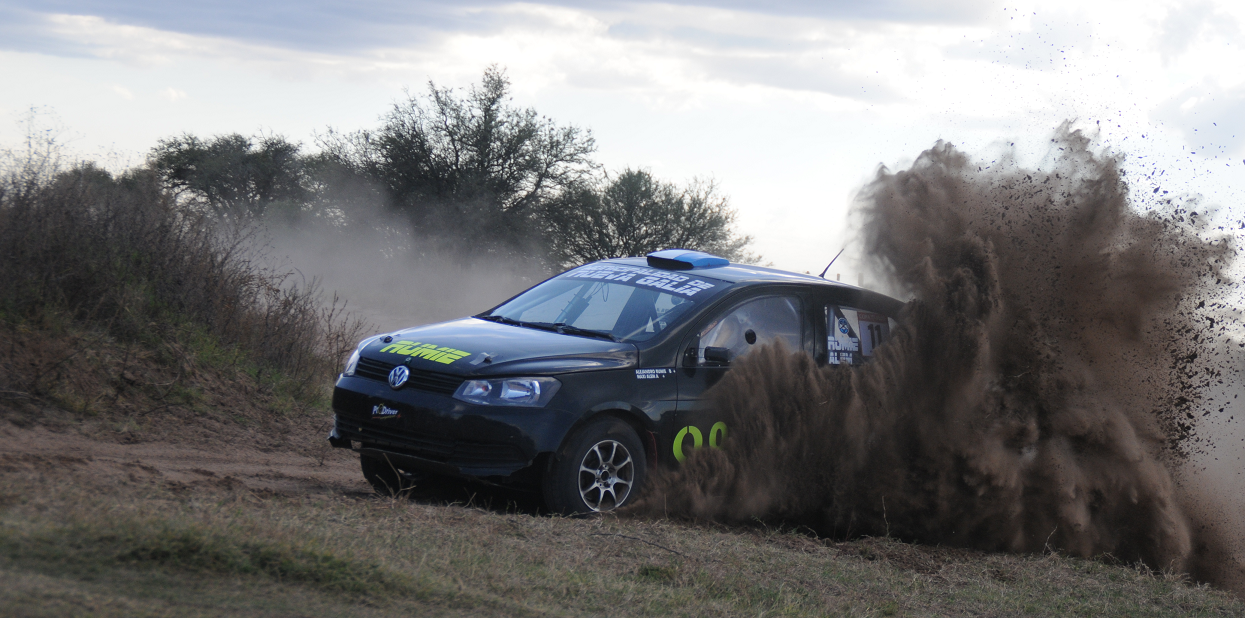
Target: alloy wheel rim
point(606, 475)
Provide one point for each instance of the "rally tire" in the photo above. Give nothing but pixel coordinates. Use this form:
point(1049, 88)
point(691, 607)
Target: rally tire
point(385, 478)
point(601, 467)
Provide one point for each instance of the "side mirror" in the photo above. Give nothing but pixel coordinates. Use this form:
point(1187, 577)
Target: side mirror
point(720, 356)
point(690, 356)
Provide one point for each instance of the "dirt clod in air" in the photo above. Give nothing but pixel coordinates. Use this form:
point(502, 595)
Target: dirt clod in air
point(1036, 394)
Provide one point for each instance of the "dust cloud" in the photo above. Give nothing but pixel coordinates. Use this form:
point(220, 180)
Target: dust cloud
point(392, 275)
point(1042, 391)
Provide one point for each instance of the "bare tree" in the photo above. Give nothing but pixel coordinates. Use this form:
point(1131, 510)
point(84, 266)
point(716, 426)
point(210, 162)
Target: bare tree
point(440, 146)
point(471, 171)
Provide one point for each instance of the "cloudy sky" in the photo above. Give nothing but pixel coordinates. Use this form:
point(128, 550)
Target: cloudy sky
point(791, 108)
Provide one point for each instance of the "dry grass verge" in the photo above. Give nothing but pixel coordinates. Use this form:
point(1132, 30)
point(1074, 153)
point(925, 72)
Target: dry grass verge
point(146, 548)
point(186, 389)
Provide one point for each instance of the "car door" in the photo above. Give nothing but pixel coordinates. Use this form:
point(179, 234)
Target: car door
point(719, 340)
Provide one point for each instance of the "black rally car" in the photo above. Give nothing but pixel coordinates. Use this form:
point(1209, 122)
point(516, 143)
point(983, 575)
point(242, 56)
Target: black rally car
point(581, 384)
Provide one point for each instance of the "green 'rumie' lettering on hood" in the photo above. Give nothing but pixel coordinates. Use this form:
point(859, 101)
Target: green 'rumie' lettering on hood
point(426, 351)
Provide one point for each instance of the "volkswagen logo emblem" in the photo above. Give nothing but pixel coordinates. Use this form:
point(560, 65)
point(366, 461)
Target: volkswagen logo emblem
point(398, 376)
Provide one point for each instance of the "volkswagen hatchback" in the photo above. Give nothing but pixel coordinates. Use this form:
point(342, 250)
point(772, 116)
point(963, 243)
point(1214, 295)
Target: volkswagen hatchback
point(581, 384)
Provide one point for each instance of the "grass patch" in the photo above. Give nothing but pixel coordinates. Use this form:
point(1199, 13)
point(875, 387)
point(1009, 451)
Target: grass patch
point(654, 573)
point(201, 548)
point(391, 557)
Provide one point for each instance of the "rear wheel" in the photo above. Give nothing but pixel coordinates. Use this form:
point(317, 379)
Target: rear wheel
point(386, 478)
point(600, 468)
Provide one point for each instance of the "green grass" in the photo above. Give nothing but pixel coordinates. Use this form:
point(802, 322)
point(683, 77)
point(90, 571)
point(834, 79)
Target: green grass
point(67, 547)
point(168, 544)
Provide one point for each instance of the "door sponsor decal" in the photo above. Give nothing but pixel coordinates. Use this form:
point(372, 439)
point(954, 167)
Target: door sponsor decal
point(717, 434)
point(653, 374)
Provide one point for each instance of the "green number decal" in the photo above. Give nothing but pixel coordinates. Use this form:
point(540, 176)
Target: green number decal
point(717, 434)
point(697, 441)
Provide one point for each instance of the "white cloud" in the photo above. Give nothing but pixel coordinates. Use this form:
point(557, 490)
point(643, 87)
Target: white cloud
point(1184, 26)
point(791, 105)
point(1049, 42)
point(1209, 116)
point(148, 48)
point(123, 92)
point(663, 52)
point(348, 27)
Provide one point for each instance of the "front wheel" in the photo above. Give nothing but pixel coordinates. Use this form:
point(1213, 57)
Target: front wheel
point(599, 469)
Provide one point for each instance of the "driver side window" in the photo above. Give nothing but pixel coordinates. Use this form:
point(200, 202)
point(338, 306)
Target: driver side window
point(751, 325)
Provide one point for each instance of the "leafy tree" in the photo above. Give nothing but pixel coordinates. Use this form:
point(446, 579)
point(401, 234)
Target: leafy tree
point(635, 214)
point(469, 165)
point(473, 174)
point(232, 176)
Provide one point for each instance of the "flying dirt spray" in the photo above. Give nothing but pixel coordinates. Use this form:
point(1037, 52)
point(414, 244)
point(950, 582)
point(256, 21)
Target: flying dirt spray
point(1037, 393)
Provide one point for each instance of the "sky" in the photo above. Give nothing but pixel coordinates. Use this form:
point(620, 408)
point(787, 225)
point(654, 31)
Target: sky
point(790, 108)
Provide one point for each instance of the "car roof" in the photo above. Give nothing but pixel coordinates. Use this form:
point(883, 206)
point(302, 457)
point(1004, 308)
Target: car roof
point(747, 274)
point(744, 273)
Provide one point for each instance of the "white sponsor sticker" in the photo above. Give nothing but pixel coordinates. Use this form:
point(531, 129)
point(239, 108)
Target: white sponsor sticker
point(842, 343)
point(653, 374)
point(875, 329)
point(672, 283)
point(384, 411)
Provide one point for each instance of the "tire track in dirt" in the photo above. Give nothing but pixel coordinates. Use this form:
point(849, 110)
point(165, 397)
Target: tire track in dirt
point(284, 472)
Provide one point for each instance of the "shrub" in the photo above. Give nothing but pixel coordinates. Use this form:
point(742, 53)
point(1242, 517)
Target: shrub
point(116, 251)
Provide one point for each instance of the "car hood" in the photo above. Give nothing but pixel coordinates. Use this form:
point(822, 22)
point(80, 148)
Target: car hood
point(472, 346)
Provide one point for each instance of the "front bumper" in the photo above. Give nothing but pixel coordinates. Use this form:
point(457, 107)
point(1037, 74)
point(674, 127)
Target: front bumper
point(437, 433)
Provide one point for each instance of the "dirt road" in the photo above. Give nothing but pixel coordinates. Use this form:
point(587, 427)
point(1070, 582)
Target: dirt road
point(316, 469)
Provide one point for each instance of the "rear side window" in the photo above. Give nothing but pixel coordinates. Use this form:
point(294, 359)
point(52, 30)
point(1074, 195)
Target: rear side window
point(753, 324)
point(852, 335)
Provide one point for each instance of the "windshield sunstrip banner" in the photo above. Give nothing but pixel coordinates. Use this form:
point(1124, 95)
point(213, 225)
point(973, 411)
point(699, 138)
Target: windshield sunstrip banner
point(672, 283)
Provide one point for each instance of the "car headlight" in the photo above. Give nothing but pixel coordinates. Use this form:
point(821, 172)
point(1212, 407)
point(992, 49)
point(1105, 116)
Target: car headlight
point(353, 362)
point(529, 392)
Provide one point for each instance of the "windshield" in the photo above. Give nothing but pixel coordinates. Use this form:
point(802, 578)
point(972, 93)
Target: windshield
point(614, 301)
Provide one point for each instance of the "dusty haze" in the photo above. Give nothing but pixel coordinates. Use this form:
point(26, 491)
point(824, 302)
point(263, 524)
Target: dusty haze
point(392, 276)
point(1041, 391)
